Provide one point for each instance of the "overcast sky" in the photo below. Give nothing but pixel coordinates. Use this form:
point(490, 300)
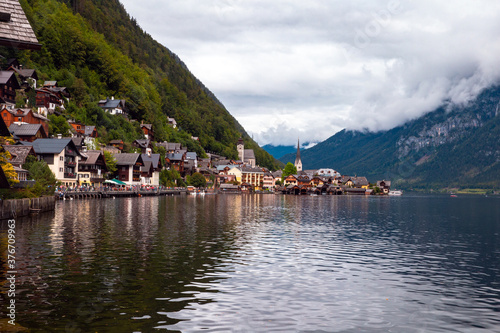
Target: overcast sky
point(288, 68)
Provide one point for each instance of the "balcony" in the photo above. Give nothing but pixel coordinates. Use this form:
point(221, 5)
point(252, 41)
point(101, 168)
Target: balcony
point(69, 175)
point(70, 163)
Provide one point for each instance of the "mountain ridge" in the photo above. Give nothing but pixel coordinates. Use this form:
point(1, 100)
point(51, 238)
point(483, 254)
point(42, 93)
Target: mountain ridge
point(450, 146)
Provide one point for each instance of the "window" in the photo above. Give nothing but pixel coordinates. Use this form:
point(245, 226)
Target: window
point(61, 158)
point(61, 169)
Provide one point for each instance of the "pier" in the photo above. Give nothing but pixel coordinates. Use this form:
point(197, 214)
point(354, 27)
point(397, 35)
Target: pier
point(70, 195)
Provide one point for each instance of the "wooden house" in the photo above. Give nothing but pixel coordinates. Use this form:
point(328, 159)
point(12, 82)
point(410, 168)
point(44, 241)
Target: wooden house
point(8, 86)
point(61, 156)
point(28, 132)
point(92, 168)
point(129, 168)
point(147, 129)
point(24, 116)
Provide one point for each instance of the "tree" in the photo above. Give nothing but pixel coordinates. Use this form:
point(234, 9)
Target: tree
point(110, 162)
point(7, 167)
point(45, 180)
point(198, 180)
point(290, 169)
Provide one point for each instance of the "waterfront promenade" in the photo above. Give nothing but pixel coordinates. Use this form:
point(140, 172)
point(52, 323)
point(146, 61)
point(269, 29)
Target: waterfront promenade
point(113, 193)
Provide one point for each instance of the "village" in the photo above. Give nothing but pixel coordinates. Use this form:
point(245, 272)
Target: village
point(78, 161)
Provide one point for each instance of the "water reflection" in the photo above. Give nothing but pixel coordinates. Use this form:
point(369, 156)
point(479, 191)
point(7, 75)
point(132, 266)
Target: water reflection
point(261, 263)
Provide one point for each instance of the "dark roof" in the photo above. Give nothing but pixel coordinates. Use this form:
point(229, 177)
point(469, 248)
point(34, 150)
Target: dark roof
point(143, 143)
point(249, 154)
point(20, 153)
point(154, 159)
point(15, 30)
point(51, 146)
point(78, 141)
point(5, 76)
point(25, 73)
point(24, 112)
point(91, 158)
point(128, 158)
point(148, 126)
point(191, 155)
point(175, 157)
point(111, 103)
point(89, 130)
point(250, 169)
point(25, 129)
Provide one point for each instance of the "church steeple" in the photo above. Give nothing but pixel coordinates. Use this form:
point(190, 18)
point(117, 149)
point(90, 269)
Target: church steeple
point(298, 162)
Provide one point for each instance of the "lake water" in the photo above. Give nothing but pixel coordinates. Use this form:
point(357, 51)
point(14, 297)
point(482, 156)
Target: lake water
point(260, 263)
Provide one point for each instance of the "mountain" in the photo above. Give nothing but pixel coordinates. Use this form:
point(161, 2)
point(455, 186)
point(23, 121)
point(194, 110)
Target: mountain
point(96, 50)
point(454, 145)
point(280, 151)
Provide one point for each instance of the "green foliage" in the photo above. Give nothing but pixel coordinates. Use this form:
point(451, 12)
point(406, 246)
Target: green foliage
point(290, 169)
point(197, 180)
point(171, 178)
point(45, 180)
point(58, 125)
point(110, 162)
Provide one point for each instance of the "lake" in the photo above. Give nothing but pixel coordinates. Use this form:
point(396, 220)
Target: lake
point(260, 263)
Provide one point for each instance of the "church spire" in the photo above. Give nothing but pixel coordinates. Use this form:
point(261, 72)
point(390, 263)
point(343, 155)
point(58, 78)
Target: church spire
point(298, 162)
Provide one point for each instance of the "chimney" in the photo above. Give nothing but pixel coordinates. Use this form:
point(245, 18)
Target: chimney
point(59, 136)
point(112, 98)
point(148, 152)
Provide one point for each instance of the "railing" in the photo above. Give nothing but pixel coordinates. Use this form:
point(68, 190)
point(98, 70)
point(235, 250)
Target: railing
point(69, 175)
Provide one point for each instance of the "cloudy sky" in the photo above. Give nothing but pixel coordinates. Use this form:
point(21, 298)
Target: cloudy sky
point(289, 68)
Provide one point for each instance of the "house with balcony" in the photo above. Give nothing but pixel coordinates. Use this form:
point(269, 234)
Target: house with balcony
point(8, 86)
point(11, 116)
point(92, 168)
point(129, 168)
point(61, 155)
point(150, 172)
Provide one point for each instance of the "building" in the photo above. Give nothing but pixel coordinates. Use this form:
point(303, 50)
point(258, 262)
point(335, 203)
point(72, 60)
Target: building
point(298, 161)
point(150, 172)
point(82, 130)
point(19, 154)
point(129, 168)
point(47, 101)
point(28, 132)
point(113, 106)
point(248, 175)
point(143, 145)
point(147, 129)
point(61, 155)
point(8, 86)
point(247, 156)
point(15, 29)
point(11, 116)
point(92, 168)
point(269, 182)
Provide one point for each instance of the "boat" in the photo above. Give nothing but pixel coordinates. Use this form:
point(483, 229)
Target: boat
point(396, 192)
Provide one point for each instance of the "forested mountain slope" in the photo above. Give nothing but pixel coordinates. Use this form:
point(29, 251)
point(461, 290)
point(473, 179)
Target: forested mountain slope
point(95, 49)
point(451, 146)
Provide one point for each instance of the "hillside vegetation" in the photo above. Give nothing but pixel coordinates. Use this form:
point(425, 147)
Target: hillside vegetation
point(96, 50)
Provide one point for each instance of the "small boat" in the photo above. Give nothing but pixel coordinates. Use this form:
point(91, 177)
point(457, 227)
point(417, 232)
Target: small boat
point(453, 196)
point(396, 192)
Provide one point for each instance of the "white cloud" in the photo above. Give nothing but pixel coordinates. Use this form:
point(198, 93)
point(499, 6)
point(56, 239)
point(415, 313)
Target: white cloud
point(314, 67)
